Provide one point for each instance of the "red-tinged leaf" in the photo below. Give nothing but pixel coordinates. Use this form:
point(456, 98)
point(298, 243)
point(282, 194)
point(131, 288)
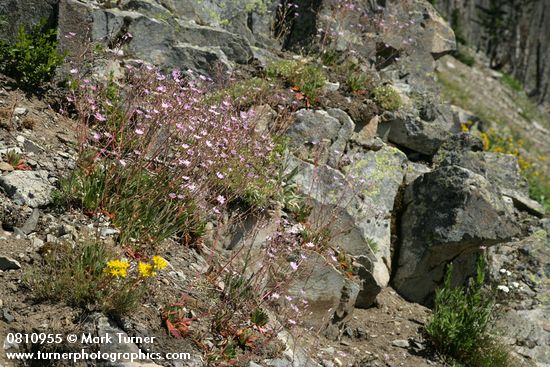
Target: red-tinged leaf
point(172, 330)
point(22, 166)
point(299, 96)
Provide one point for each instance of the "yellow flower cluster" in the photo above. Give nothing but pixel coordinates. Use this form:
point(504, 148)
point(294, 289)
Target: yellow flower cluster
point(147, 270)
point(117, 268)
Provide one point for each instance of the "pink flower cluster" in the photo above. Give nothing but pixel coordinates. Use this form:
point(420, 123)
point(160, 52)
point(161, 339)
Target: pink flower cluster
point(208, 154)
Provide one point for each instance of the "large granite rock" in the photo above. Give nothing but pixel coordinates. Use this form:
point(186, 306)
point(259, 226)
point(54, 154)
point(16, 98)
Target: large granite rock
point(439, 37)
point(528, 332)
point(357, 207)
point(251, 19)
point(448, 214)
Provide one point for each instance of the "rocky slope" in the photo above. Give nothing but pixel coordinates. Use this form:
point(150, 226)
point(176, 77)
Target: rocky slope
point(518, 46)
point(403, 191)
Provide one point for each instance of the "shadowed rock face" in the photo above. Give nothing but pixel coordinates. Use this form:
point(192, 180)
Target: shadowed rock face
point(27, 13)
point(448, 213)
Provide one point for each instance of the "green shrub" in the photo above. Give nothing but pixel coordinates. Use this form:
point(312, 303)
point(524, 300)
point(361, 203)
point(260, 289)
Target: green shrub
point(308, 78)
point(512, 83)
point(283, 69)
point(458, 327)
point(133, 200)
point(329, 57)
point(32, 59)
point(464, 57)
point(387, 98)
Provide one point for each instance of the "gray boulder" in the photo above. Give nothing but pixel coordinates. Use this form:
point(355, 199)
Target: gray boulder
point(320, 136)
point(466, 150)
point(408, 129)
point(438, 38)
point(501, 170)
point(448, 214)
point(233, 45)
point(330, 294)
point(30, 188)
point(357, 208)
point(250, 19)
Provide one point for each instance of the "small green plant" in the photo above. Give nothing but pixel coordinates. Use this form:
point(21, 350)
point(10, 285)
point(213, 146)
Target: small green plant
point(329, 57)
point(464, 56)
point(458, 327)
point(32, 59)
point(319, 235)
point(308, 78)
point(86, 277)
point(259, 317)
point(512, 83)
point(373, 245)
point(387, 98)
point(13, 158)
point(346, 263)
point(244, 94)
point(130, 198)
point(176, 319)
point(357, 81)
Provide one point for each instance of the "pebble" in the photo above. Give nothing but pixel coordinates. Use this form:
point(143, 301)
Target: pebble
point(7, 316)
point(401, 343)
point(4, 166)
point(18, 111)
point(106, 232)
